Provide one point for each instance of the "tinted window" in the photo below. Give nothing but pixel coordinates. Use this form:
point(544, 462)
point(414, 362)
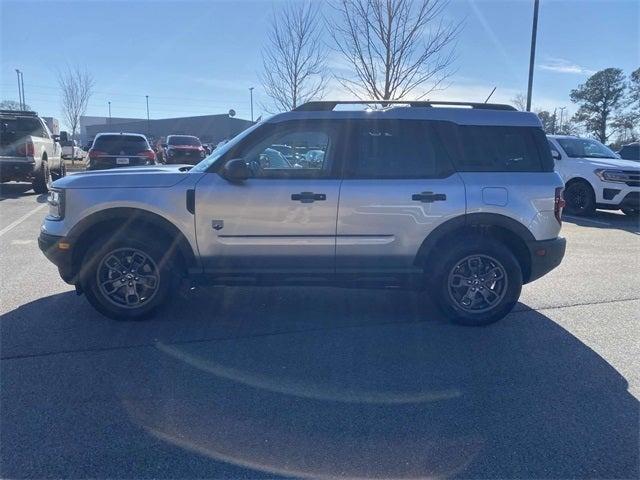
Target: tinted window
point(503, 149)
point(15, 128)
point(120, 144)
point(184, 140)
point(398, 149)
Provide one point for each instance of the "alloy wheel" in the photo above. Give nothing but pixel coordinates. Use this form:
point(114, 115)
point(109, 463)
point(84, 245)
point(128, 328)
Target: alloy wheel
point(128, 277)
point(478, 283)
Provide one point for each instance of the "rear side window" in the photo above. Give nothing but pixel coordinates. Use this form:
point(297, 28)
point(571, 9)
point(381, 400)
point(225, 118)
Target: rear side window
point(503, 149)
point(120, 144)
point(397, 149)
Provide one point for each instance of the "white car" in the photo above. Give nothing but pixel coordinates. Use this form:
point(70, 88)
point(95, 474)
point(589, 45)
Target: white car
point(71, 150)
point(595, 176)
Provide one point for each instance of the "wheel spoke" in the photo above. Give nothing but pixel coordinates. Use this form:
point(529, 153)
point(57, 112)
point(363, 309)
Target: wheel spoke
point(148, 281)
point(477, 283)
point(111, 286)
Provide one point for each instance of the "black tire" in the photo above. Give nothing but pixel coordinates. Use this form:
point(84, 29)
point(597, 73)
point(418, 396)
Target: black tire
point(42, 179)
point(631, 212)
point(447, 267)
point(60, 172)
point(95, 266)
point(580, 199)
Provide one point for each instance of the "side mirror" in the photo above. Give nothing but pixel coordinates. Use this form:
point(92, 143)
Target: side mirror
point(556, 155)
point(236, 170)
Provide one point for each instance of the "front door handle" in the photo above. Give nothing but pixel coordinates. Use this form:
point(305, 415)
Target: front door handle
point(429, 197)
point(307, 197)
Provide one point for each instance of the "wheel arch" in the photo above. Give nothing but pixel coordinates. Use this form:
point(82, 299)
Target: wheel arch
point(121, 220)
point(508, 231)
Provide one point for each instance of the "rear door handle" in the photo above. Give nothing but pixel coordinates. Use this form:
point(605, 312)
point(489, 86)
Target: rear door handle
point(429, 197)
point(307, 197)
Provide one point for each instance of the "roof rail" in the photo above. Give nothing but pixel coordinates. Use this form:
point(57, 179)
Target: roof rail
point(19, 112)
point(328, 105)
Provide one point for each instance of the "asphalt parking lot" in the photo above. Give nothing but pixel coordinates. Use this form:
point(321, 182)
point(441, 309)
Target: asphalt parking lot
point(253, 383)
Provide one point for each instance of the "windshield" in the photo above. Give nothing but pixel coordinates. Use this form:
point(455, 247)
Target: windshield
point(184, 140)
point(207, 162)
point(585, 148)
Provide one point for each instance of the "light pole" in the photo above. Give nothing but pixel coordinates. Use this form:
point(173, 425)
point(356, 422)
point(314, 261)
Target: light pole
point(109, 102)
point(19, 90)
point(251, 94)
point(562, 109)
point(148, 122)
point(24, 100)
point(532, 57)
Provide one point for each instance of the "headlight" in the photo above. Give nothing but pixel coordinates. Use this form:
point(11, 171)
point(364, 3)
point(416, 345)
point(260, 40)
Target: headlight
point(56, 204)
point(612, 175)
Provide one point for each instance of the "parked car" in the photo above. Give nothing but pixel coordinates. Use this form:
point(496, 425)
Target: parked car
point(112, 150)
point(630, 151)
point(183, 149)
point(595, 177)
point(461, 202)
point(28, 150)
point(71, 150)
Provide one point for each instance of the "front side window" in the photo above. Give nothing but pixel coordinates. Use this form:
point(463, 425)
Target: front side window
point(396, 149)
point(290, 151)
point(585, 148)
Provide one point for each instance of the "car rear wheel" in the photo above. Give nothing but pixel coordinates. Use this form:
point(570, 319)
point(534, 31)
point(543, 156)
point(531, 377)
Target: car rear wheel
point(128, 279)
point(477, 281)
point(42, 180)
point(580, 199)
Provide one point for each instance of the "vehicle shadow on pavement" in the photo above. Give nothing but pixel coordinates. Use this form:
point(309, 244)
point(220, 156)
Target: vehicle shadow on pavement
point(17, 190)
point(242, 382)
point(606, 220)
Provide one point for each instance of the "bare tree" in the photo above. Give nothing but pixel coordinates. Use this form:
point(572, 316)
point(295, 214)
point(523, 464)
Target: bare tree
point(394, 46)
point(520, 101)
point(77, 87)
point(294, 58)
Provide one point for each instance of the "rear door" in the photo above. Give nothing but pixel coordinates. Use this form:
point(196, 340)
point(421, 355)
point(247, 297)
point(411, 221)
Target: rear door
point(399, 184)
point(283, 219)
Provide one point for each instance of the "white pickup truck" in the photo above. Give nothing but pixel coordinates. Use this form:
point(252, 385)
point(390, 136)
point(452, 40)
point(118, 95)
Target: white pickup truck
point(71, 150)
point(595, 176)
point(28, 150)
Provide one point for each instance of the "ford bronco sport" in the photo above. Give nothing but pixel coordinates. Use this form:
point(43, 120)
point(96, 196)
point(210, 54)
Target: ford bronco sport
point(458, 199)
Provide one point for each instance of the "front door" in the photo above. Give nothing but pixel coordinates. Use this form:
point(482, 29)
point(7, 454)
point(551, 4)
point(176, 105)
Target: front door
point(283, 219)
point(399, 185)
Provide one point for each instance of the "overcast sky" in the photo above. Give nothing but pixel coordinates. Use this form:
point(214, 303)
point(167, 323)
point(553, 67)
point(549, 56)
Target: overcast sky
point(198, 58)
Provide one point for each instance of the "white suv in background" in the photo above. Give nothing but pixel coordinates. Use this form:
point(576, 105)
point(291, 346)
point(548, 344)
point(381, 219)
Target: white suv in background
point(595, 176)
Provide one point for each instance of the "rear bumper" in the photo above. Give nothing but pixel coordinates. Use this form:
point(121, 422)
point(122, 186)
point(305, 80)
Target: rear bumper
point(545, 255)
point(61, 258)
point(16, 167)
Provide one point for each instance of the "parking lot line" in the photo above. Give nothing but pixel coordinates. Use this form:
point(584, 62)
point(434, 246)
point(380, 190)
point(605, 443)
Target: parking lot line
point(14, 224)
point(587, 220)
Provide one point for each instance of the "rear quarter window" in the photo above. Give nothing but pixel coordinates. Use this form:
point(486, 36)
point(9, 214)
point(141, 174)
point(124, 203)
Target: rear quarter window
point(503, 149)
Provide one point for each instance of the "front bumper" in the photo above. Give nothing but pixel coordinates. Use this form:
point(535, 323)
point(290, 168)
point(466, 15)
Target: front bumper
point(58, 252)
point(545, 255)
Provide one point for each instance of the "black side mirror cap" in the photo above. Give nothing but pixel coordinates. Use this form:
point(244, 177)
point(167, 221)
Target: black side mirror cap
point(236, 170)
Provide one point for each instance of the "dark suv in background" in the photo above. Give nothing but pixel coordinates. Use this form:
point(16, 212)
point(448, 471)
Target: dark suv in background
point(111, 150)
point(183, 149)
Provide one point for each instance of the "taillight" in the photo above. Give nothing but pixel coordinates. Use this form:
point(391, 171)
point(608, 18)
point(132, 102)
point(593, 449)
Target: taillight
point(27, 149)
point(96, 154)
point(149, 154)
point(558, 204)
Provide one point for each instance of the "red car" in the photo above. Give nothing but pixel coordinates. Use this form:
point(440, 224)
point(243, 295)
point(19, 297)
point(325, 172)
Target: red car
point(183, 149)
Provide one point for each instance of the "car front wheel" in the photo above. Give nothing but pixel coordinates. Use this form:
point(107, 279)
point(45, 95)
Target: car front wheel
point(478, 281)
point(580, 199)
point(128, 279)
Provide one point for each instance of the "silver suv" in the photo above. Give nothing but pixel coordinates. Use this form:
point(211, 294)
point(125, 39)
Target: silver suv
point(459, 199)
